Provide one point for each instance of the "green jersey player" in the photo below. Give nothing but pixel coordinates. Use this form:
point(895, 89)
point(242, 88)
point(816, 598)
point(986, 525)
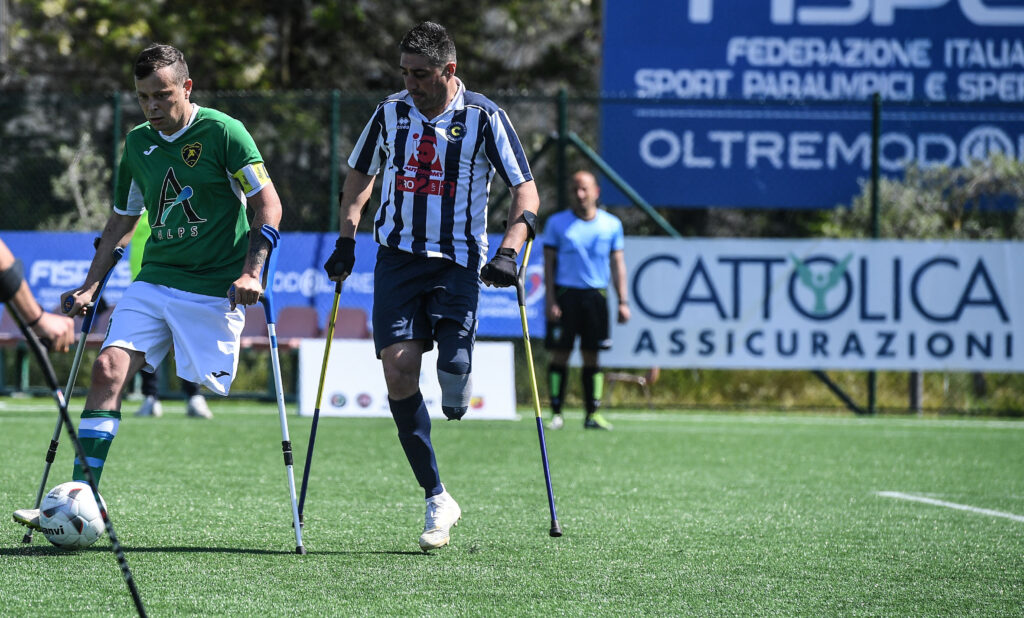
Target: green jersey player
point(191, 171)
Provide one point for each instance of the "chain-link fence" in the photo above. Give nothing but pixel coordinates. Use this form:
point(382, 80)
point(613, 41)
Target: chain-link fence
point(58, 169)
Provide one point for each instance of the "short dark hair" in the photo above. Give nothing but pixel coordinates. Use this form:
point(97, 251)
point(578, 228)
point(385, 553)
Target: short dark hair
point(431, 41)
point(159, 56)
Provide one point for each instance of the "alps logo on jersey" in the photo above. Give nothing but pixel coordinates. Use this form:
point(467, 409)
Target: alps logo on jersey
point(190, 153)
point(425, 161)
point(172, 194)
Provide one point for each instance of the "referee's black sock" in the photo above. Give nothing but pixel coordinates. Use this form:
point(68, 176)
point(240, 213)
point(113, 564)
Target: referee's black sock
point(556, 386)
point(593, 389)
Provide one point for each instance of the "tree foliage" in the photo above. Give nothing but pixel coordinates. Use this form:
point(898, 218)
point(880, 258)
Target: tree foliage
point(88, 45)
point(980, 201)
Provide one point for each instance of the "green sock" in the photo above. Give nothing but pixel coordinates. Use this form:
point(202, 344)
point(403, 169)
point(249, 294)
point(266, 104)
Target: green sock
point(593, 388)
point(556, 386)
point(96, 431)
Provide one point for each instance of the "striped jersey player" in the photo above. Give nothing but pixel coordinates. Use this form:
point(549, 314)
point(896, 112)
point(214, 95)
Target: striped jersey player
point(436, 173)
point(436, 147)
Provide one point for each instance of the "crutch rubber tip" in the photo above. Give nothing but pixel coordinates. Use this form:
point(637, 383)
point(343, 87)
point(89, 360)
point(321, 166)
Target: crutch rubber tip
point(556, 530)
point(302, 550)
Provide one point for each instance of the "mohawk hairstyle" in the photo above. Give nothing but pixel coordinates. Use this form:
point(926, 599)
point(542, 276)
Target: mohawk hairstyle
point(158, 56)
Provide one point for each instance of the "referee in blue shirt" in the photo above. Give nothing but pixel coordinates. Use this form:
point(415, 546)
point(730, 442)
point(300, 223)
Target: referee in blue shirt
point(582, 253)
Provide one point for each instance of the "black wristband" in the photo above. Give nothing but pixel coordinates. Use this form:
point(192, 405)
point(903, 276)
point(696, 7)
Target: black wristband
point(36, 321)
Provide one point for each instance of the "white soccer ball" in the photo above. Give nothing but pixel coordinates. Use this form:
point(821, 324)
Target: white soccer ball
point(69, 517)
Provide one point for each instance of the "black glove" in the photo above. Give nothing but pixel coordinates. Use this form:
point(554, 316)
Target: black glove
point(501, 270)
point(343, 259)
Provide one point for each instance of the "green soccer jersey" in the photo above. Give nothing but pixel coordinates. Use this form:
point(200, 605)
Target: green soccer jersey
point(192, 189)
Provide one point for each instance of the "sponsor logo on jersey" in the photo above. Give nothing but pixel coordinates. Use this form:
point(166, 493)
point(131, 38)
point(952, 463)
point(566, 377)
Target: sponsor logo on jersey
point(425, 161)
point(456, 131)
point(425, 185)
point(173, 194)
point(424, 174)
point(219, 374)
point(190, 153)
point(403, 122)
point(149, 150)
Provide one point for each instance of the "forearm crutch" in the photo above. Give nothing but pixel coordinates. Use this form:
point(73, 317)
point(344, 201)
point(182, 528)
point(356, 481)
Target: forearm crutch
point(87, 322)
point(531, 219)
point(267, 298)
point(319, 397)
point(64, 419)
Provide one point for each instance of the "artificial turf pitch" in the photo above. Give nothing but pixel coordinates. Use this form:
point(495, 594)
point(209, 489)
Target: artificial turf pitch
point(669, 514)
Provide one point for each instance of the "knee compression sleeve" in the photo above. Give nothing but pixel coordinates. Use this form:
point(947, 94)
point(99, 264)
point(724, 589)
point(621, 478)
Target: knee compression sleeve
point(454, 363)
point(10, 281)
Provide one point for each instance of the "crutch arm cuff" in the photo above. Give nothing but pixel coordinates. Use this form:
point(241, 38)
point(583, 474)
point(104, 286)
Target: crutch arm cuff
point(10, 280)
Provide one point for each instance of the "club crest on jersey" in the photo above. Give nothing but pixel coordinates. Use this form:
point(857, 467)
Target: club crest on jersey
point(190, 153)
point(456, 131)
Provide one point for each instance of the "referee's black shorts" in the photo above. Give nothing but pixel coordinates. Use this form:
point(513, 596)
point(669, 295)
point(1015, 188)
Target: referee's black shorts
point(584, 315)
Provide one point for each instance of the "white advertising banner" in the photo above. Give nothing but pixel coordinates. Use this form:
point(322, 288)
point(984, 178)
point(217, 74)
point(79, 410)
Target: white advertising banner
point(355, 380)
point(823, 304)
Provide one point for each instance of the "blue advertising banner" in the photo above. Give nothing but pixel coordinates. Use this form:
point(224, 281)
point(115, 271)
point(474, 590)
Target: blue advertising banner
point(58, 261)
point(769, 106)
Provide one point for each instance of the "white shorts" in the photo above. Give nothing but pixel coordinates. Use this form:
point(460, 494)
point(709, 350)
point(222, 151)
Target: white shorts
point(204, 330)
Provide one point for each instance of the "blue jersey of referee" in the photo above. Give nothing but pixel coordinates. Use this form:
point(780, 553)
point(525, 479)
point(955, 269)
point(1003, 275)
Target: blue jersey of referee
point(583, 247)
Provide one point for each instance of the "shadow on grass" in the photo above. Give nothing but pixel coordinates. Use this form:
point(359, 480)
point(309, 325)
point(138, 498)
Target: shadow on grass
point(43, 550)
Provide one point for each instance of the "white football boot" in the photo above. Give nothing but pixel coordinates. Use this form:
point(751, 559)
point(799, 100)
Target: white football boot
point(443, 512)
point(28, 517)
point(150, 407)
point(197, 407)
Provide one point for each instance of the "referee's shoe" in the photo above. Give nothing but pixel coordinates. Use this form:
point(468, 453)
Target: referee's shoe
point(596, 421)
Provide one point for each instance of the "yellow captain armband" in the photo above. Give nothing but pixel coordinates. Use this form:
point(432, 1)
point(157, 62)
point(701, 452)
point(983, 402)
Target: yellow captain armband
point(252, 178)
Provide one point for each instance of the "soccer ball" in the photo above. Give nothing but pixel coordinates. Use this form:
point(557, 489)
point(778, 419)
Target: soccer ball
point(69, 517)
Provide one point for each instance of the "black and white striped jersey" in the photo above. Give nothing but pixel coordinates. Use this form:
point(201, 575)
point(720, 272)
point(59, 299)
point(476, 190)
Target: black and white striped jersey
point(436, 173)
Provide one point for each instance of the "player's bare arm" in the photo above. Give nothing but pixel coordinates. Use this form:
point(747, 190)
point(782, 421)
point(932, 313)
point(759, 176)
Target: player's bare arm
point(266, 207)
point(116, 233)
point(550, 268)
point(524, 198)
point(356, 193)
point(354, 196)
point(501, 270)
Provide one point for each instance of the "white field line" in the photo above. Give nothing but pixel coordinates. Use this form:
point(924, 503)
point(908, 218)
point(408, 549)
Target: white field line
point(950, 505)
point(798, 418)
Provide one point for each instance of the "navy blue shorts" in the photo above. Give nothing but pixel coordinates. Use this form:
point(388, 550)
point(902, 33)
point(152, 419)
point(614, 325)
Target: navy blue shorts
point(411, 294)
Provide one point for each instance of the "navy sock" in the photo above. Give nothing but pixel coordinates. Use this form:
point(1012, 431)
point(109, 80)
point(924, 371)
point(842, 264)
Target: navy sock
point(190, 389)
point(150, 384)
point(413, 424)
